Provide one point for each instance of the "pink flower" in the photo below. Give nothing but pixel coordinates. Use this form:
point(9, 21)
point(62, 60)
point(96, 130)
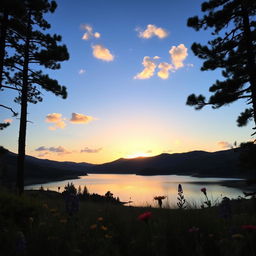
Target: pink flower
point(203, 190)
point(145, 216)
point(249, 227)
point(193, 229)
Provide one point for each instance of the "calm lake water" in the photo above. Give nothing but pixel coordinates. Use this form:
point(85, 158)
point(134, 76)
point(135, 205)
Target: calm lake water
point(142, 189)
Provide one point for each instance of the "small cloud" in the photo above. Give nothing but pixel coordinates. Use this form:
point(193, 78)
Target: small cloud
point(178, 55)
point(156, 58)
point(224, 144)
point(167, 151)
point(57, 119)
point(90, 150)
point(89, 32)
point(59, 150)
point(97, 35)
point(151, 31)
point(149, 69)
point(164, 70)
point(81, 71)
point(8, 120)
point(42, 148)
point(102, 53)
point(80, 118)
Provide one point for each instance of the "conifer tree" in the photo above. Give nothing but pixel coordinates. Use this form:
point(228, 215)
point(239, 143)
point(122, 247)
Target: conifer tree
point(9, 10)
point(33, 47)
point(233, 50)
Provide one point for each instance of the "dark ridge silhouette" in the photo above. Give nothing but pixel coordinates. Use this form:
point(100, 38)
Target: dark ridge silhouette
point(196, 163)
point(200, 163)
point(41, 170)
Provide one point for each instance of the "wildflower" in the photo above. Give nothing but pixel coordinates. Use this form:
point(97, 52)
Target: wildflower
point(249, 227)
point(203, 190)
point(145, 216)
point(207, 202)
point(64, 221)
point(159, 200)
point(181, 199)
point(180, 190)
point(45, 206)
point(53, 210)
point(21, 243)
point(100, 219)
point(94, 226)
point(237, 236)
point(104, 228)
point(193, 230)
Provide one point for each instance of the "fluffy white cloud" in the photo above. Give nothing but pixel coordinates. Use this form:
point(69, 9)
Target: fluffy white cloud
point(102, 53)
point(59, 150)
point(57, 119)
point(224, 144)
point(80, 118)
point(164, 70)
point(90, 150)
point(178, 55)
point(89, 32)
point(149, 69)
point(81, 71)
point(151, 31)
point(97, 35)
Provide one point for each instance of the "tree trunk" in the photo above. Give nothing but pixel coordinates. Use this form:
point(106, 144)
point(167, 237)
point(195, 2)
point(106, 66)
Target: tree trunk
point(251, 65)
point(23, 113)
point(2, 43)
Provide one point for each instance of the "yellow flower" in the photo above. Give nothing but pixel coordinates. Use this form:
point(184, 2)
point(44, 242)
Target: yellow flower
point(94, 226)
point(100, 219)
point(45, 206)
point(238, 236)
point(53, 210)
point(64, 221)
point(104, 228)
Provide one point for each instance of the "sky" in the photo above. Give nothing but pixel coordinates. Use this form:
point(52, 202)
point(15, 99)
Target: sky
point(130, 71)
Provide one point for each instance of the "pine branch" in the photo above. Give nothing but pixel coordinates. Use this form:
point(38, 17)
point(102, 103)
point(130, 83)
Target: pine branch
point(13, 112)
point(9, 87)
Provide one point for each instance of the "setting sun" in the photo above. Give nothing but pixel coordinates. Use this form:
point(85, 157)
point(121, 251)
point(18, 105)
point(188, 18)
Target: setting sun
point(137, 154)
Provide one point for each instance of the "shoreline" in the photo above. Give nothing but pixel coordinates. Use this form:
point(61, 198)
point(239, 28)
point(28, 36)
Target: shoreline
point(235, 182)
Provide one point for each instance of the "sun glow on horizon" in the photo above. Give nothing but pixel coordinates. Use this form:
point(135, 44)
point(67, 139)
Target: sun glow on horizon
point(137, 154)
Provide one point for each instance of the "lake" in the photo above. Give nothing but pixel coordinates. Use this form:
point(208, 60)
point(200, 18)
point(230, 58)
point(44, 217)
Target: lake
point(142, 189)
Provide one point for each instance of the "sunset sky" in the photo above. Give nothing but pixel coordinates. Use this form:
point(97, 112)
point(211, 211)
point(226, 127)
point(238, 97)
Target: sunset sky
point(128, 77)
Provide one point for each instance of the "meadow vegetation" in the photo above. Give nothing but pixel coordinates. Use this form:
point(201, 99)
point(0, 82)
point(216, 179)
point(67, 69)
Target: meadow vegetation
point(40, 223)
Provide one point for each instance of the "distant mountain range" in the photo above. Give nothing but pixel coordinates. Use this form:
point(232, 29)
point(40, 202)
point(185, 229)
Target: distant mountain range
point(41, 170)
point(198, 163)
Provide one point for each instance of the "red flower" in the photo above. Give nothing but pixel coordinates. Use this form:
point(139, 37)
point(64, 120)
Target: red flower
point(145, 216)
point(203, 190)
point(249, 227)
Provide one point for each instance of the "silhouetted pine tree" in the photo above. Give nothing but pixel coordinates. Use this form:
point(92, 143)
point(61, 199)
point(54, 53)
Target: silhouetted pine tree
point(33, 47)
point(233, 49)
point(9, 11)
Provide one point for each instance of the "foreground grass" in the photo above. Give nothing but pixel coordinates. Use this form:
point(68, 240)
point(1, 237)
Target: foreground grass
point(37, 224)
